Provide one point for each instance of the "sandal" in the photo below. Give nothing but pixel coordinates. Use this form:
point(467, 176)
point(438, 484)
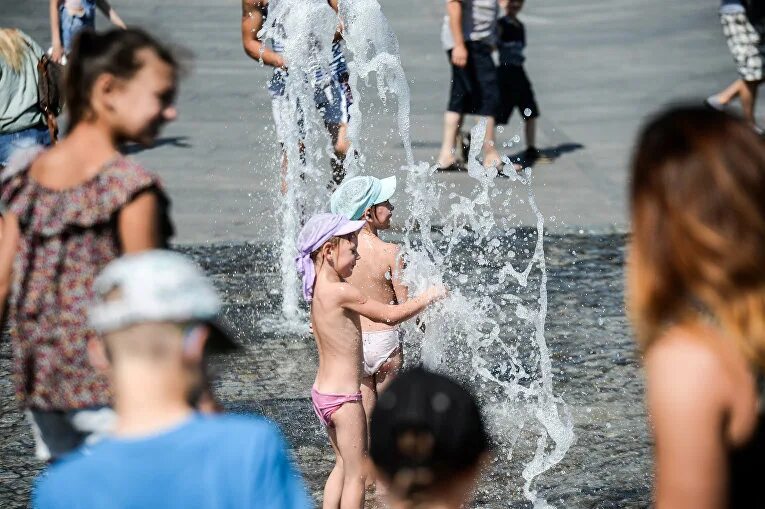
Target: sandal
point(452, 167)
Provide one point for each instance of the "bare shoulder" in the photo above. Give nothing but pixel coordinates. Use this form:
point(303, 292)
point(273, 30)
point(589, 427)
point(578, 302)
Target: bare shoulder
point(685, 366)
point(346, 293)
point(390, 251)
point(681, 351)
point(44, 160)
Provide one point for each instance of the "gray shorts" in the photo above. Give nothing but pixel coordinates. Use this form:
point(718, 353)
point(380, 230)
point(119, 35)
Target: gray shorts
point(58, 432)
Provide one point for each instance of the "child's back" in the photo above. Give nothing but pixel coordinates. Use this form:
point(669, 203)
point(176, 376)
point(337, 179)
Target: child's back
point(373, 274)
point(66, 165)
point(206, 462)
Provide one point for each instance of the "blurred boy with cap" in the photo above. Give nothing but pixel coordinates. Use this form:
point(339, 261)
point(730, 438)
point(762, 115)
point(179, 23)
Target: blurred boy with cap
point(157, 315)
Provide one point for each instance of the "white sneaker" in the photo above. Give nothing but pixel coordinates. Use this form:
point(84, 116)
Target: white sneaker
point(713, 102)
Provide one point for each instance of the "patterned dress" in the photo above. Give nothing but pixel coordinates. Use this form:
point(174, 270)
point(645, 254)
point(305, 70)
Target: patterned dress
point(67, 237)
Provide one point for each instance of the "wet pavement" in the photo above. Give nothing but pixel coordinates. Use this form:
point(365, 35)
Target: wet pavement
point(595, 363)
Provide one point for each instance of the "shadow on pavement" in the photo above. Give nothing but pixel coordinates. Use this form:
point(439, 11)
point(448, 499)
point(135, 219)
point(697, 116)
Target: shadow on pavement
point(175, 141)
point(546, 155)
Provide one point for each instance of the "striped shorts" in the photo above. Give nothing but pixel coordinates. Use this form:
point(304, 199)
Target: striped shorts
point(746, 42)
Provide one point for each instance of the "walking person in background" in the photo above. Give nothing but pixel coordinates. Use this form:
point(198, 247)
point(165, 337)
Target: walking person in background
point(428, 442)
point(158, 315)
point(70, 17)
point(22, 122)
point(696, 298)
point(70, 211)
point(332, 94)
point(468, 35)
point(515, 89)
point(743, 24)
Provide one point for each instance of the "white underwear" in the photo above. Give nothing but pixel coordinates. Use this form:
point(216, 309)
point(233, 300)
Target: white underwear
point(378, 347)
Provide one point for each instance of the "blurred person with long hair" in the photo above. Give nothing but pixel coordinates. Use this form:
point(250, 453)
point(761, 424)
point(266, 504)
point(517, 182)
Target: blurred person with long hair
point(22, 122)
point(696, 298)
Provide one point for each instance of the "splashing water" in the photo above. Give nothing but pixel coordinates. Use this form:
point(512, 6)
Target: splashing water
point(374, 47)
point(306, 29)
point(507, 353)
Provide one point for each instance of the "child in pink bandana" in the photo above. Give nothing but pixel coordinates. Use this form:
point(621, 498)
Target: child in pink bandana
point(327, 254)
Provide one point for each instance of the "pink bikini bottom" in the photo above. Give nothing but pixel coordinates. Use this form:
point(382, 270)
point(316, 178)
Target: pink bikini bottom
point(327, 404)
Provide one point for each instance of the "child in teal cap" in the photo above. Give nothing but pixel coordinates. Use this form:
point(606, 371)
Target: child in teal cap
point(377, 276)
point(357, 194)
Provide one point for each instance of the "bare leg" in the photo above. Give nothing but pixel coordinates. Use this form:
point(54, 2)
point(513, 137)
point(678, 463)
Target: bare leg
point(368, 399)
point(333, 488)
point(368, 396)
point(530, 128)
point(382, 379)
point(341, 145)
point(452, 123)
point(351, 435)
point(389, 370)
point(730, 93)
point(284, 171)
point(748, 97)
point(490, 155)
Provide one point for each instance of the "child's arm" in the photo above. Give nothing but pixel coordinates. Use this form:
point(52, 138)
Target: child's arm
point(138, 224)
point(55, 32)
point(8, 246)
point(252, 22)
point(459, 52)
point(391, 314)
point(689, 408)
point(110, 13)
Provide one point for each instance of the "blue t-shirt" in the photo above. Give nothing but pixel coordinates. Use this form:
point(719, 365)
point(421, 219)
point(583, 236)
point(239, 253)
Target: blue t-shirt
point(208, 462)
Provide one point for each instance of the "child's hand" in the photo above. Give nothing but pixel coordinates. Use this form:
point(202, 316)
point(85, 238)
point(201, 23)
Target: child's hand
point(436, 293)
point(460, 55)
point(57, 52)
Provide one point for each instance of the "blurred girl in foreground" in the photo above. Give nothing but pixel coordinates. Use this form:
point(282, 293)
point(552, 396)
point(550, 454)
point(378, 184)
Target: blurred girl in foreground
point(696, 297)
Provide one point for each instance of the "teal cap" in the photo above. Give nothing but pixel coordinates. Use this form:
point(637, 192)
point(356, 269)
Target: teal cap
point(357, 194)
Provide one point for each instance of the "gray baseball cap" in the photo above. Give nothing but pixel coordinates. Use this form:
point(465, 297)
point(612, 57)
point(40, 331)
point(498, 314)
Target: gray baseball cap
point(158, 286)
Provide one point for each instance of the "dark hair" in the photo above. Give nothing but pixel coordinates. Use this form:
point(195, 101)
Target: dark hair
point(425, 429)
point(698, 220)
point(112, 52)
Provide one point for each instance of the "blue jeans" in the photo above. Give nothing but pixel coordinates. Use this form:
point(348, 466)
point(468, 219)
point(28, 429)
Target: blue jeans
point(25, 138)
point(73, 25)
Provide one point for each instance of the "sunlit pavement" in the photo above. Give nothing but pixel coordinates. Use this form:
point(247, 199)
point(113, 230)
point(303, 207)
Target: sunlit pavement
point(598, 68)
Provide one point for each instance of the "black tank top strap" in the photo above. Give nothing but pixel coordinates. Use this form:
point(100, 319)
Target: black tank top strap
point(747, 463)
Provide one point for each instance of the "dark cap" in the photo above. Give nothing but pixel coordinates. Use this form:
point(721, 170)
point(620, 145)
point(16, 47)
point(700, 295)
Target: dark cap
point(425, 428)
